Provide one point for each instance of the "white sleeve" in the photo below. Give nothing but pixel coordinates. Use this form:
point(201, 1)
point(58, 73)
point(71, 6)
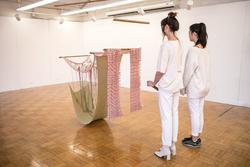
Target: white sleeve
point(191, 65)
point(162, 62)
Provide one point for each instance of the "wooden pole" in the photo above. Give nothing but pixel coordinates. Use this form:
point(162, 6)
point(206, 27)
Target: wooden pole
point(74, 56)
point(131, 21)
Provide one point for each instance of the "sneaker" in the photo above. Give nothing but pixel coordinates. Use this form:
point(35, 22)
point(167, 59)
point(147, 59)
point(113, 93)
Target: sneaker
point(191, 143)
point(187, 138)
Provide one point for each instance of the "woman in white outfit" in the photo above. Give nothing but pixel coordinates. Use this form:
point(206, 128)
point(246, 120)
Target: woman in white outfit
point(169, 79)
point(196, 81)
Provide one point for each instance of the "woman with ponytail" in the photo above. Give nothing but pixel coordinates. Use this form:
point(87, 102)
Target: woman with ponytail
point(169, 79)
point(196, 81)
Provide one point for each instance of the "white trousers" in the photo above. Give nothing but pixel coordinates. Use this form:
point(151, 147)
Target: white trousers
point(197, 115)
point(168, 104)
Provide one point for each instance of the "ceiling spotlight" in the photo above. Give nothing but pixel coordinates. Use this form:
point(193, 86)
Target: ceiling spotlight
point(171, 3)
point(93, 18)
point(61, 21)
point(18, 18)
point(33, 14)
point(190, 4)
point(141, 11)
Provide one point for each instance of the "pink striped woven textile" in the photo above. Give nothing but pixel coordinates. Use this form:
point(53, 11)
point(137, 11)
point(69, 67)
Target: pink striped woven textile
point(135, 59)
point(114, 60)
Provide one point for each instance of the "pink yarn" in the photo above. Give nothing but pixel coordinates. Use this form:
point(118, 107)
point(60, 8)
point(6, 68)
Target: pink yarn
point(135, 58)
point(114, 56)
point(113, 80)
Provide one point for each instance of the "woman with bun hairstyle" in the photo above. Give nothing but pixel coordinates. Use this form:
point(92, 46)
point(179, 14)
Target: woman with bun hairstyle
point(169, 79)
point(196, 81)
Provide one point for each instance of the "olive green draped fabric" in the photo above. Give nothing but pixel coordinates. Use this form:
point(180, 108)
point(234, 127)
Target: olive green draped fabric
point(85, 108)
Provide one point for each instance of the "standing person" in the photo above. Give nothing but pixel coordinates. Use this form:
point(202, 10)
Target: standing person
point(169, 79)
point(196, 81)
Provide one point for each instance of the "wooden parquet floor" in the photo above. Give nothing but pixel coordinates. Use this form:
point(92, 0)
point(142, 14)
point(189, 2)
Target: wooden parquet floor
point(38, 128)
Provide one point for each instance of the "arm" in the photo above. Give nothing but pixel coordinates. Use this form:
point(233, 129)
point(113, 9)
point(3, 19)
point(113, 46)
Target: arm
point(161, 67)
point(158, 76)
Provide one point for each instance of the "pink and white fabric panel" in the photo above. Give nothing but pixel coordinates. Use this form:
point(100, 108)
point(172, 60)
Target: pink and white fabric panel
point(135, 59)
point(114, 59)
point(113, 103)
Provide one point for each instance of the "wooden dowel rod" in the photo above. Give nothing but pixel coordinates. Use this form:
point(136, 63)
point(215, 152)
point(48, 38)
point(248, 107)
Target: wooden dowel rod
point(131, 21)
point(96, 52)
point(74, 56)
point(122, 49)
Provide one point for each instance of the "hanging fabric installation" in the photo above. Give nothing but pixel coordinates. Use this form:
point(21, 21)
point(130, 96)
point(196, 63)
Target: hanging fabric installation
point(96, 93)
point(135, 59)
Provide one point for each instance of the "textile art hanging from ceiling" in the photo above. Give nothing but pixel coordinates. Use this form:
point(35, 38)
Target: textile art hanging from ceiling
point(96, 93)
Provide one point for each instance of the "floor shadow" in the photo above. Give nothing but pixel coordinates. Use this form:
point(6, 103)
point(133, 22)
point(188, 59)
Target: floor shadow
point(95, 143)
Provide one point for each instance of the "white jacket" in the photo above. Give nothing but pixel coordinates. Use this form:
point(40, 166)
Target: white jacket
point(196, 76)
point(169, 63)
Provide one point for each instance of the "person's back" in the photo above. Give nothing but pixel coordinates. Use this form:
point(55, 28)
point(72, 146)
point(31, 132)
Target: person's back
point(170, 57)
point(199, 83)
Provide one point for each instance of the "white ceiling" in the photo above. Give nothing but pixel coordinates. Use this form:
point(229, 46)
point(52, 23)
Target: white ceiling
point(52, 11)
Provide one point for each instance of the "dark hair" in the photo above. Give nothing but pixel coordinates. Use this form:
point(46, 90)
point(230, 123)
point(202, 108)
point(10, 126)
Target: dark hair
point(200, 30)
point(171, 21)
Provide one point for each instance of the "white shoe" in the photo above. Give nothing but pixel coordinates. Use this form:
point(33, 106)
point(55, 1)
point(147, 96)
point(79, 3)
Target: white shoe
point(164, 152)
point(173, 149)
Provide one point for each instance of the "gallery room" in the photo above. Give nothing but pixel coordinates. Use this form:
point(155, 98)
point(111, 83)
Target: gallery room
point(124, 83)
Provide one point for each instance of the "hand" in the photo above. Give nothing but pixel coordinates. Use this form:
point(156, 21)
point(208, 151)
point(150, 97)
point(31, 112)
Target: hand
point(183, 91)
point(150, 83)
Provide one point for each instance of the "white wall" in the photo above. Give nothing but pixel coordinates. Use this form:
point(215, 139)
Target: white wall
point(244, 86)
point(228, 29)
point(29, 49)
